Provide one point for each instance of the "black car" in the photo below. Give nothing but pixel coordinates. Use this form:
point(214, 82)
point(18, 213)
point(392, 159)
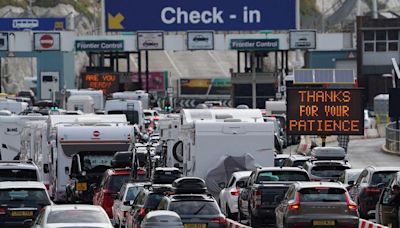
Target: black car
point(368, 187)
point(21, 202)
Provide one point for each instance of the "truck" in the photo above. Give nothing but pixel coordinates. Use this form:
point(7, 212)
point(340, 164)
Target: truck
point(131, 108)
point(97, 95)
point(264, 191)
point(205, 135)
point(138, 95)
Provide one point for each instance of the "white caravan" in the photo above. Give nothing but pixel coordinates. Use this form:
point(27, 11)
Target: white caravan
point(275, 107)
point(131, 108)
point(13, 106)
point(82, 103)
point(97, 95)
point(96, 144)
point(10, 134)
point(208, 134)
point(138, 95)
point(169, 126)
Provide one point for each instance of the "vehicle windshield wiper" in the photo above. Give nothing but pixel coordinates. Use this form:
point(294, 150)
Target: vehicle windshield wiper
point(200, 209)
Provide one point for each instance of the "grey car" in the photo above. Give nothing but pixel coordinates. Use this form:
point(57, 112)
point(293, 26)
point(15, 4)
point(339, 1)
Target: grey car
point(317, 204)
point(195, 210)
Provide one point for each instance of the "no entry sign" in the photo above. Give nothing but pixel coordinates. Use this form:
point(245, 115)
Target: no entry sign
point(47, 41)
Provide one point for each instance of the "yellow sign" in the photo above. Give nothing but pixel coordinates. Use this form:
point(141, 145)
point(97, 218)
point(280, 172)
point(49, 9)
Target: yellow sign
point(81, 186)
point(114, 22)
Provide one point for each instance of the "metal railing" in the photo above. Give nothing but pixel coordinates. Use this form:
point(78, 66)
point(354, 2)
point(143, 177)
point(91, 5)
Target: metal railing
point(392, 138)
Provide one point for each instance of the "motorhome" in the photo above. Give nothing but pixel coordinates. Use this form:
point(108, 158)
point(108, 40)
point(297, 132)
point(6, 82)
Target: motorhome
point(84, 153)
point(13, 106)
point(169, 127)
point(131, 108)
point(138, 95)
point(275, 107)
point(58, 176)
point(205, 135)
point(10, 134)
point(97, 95)
point(82, 103)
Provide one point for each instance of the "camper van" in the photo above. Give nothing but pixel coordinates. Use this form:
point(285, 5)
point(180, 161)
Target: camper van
point(131, 108)
point(82, 103)
point(138, 95)
point(205, 135)
point(97, 95)
point(169, 127)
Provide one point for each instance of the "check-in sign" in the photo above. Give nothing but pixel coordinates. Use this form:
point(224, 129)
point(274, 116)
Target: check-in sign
point(99, 45)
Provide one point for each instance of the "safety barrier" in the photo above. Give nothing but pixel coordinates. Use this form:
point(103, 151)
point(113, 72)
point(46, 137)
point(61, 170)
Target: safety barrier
point(367, 224)
point(234, 224)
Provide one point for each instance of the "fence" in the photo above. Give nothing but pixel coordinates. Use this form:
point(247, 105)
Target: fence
point(392, 138)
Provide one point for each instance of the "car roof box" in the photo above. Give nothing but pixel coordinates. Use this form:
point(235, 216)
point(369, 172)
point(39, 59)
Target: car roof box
point(328, 153)
point(189, 185)
point(122, 159)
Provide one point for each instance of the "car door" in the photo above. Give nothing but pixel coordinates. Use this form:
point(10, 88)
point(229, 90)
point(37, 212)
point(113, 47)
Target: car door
point(138, 205)
point(354, 191)
point(384, 210)
point(244, 196)
point(282, 207)
point(116, 208)
point(225, 195)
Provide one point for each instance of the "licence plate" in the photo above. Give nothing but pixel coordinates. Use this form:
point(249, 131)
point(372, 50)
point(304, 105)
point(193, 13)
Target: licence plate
point(81, 186)
point(22, 213)
point(324, 222)
point(195, 226)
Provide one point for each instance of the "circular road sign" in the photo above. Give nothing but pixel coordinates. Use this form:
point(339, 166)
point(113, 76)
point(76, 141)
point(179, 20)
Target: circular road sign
point(46, 41)
point(96, 133)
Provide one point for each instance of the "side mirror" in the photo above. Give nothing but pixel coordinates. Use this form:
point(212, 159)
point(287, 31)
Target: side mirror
point(66, 170)
point(221, 185)
point(46, 168)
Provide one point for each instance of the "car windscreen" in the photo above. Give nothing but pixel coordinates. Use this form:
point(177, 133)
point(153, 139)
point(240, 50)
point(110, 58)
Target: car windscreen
point(152, 200)
point(282, 176)
point(298, 163)
point(18, 175)
point(76, 216)
point(328, 171)
point(131, 116)
point(25, 194)
point(193, 208)
point(133, 192)
point(116, 182)
point(322, 194)
point(382, 177)
point(166, 177)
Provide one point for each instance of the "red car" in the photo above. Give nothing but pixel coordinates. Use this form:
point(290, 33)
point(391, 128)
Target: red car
point(110, 184)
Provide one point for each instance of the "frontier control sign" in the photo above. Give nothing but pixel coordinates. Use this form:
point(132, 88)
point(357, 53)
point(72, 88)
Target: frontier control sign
point(325, 112)
point(178, 15)
point(99, 45)
point(255, 44)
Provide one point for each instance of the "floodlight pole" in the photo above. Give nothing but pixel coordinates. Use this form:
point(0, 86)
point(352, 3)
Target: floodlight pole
point(253, 79)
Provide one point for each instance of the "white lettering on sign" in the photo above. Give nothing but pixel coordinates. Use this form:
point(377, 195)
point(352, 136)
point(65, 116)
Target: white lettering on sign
point(171, 15)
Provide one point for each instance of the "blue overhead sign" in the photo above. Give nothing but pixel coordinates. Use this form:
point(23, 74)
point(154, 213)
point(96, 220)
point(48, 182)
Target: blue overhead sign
point(38, 24)
point(181, 15)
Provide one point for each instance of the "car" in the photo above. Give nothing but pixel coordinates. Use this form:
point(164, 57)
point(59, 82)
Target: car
point(349, 176)
point(147, 200)
point(295, 160)
point(124, 201)
point(165, 175)
point(369, 121)
point(21, 202)
point(280, 159)
point(385, 207)
point(18, 170)
point(161, 219)
point(72, 215)
point(368, 187)
point(28, 94)
point(110, 184)
point(326, 170)
point(228, 197)
point(316, 204)
point(195, 210)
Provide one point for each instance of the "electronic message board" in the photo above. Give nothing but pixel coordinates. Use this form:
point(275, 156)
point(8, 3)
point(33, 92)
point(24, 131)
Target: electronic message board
point(321, 111)
point(108, 82)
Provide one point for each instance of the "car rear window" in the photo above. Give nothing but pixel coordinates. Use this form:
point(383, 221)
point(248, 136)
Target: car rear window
point(328, 171)
point(322, 194)
point(116, 182)
point(18, 175)
point(382, 177)
point(133, 192)
point(152, 200)
point(37, 195)
point(76, 216)
point(282, 176)
point(298, 163)
point(194, 207)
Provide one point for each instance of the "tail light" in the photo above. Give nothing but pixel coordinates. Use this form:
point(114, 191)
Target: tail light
point(258, 199)
point(235, 192)
point(2, 211)
point(350, 204)
point(219, 220)
point(141, 172)
point(296, 204)
point(142, 212)
point(372, 190)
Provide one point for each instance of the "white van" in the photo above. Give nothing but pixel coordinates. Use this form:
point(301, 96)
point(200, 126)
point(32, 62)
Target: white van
point(97, 95)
